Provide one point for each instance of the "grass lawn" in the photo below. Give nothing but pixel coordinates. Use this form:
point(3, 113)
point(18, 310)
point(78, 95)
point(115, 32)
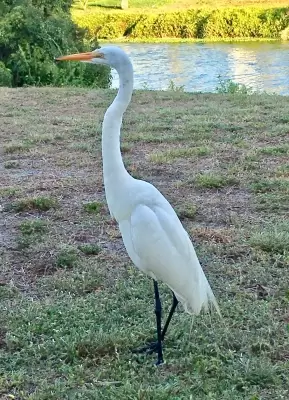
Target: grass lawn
point(173, 5)
point(71, 303)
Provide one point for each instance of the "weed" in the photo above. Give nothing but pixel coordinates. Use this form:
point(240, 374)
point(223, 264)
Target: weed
point(67, 257)
point(231, 87)
point(32, 232)
point(36, 203)
point(187, 211)
point(89, 249)
point(11, 164)
point(36, 226)
point(175, 88)
point(94, 207)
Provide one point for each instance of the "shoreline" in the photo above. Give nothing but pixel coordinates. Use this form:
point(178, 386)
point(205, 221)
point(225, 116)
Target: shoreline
point(189, 40)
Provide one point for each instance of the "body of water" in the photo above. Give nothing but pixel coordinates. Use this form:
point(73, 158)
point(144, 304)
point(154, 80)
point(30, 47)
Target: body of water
point(196, 66)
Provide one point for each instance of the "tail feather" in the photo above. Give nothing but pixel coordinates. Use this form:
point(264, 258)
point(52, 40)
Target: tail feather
point(201, 299)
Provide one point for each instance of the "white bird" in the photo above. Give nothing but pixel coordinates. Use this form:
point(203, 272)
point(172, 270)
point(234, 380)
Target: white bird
point(152, 233)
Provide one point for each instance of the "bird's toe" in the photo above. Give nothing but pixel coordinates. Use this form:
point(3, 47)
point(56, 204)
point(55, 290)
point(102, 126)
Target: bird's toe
point(149, 348)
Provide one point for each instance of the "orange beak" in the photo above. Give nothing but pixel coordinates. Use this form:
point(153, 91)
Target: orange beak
point(80, 56)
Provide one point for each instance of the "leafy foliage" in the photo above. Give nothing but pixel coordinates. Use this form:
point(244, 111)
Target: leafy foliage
point(229, 86)
point(32, 34)
point(228, 22)
point(5, 76)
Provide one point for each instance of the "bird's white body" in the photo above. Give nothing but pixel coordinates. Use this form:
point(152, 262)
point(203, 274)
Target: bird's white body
point(152, 233)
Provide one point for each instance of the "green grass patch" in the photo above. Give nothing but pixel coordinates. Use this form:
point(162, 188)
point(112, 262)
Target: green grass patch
point(273, 239)
point(229, 86)
point(11, 164)
point(171, 154)
point(36, 203)
point(187, 211)
point(282, 170)
point(167, 5)
point(126, 147)
point(86, 147)
point(7, 291)
point(32, 232)
point(275, 150)
point(270, 185)
point(165, 137)
point(67, 258)
point(272, 201)
point(90, 249)
point(213, 181)
point(16, 147)
point(38, 138)
point(114, 4)
point(32, 227)
point(93, 207)
point(8, 191)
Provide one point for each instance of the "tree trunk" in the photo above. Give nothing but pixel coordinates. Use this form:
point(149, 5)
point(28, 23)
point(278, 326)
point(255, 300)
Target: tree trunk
point(124, 4)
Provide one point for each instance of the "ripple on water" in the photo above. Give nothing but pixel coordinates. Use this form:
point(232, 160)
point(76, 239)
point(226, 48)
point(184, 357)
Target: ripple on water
point(196, 66)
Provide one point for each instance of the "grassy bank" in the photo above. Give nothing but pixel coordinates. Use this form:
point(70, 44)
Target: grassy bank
point(71, 303)
point(206, 24)
point(103, 42)
point(172, 5)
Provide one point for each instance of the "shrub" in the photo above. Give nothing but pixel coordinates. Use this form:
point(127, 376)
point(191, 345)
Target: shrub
point(5, 75)
point(32, 34)
point(229, 86)
point(224, 23)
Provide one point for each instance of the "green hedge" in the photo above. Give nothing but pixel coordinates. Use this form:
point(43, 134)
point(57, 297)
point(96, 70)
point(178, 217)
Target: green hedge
point(223, 23)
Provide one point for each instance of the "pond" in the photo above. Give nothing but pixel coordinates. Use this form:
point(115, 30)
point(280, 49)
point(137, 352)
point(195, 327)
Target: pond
point(196, 66)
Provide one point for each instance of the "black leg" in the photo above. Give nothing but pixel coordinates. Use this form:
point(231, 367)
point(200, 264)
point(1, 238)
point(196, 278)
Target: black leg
point(172, 310)
point(153, 346)
point(158, 311)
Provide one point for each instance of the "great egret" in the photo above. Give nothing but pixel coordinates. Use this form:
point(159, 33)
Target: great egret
point(152, 233)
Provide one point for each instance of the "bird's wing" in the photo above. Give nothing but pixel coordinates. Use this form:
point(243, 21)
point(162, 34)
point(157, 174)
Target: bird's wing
point(158, 244)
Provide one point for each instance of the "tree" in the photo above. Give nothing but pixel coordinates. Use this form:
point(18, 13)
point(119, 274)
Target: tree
point(32, 34)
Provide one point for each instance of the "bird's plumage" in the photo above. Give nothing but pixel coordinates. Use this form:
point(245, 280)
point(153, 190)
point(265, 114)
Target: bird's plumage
point(159, 246)
point(152, 233)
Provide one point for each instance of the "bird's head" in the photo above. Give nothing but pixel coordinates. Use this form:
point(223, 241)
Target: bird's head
point(109, 55)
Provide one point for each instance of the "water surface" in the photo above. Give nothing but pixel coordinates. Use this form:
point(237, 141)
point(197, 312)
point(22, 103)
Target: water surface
point(196, 66)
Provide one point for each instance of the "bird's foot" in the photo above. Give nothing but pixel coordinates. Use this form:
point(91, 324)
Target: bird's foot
point(159, 361)
point(150, 348)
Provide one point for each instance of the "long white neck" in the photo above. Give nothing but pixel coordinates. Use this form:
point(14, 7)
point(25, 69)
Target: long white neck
point(113, 167)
